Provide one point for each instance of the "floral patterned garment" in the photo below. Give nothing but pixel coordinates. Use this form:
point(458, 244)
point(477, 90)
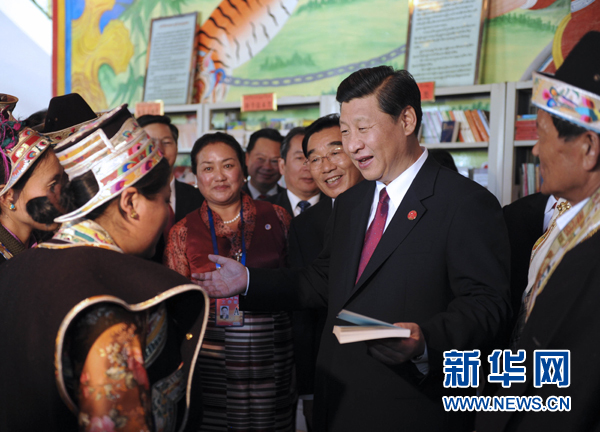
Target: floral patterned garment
point(106, 350)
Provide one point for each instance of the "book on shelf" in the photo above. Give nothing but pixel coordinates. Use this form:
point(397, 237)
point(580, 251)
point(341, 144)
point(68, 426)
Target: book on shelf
point(526, 128)
point(531, 180)
point(365, 328)
point(473, 125)
point(449, 131)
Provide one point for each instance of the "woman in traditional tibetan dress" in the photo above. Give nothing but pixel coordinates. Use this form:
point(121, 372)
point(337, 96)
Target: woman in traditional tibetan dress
point(30, 174)
point(95, 338)
point(30, 178)
point(246, 360)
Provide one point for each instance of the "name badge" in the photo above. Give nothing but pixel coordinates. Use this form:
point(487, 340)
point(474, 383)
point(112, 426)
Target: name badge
point(228, 313)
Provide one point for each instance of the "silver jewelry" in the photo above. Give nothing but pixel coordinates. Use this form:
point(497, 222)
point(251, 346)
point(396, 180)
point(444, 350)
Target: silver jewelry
point(232, 220)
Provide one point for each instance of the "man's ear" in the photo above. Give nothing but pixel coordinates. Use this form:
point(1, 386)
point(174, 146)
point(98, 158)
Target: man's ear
point(281, 164)
point(591, 150)
point(408, 117)
point(128, 202)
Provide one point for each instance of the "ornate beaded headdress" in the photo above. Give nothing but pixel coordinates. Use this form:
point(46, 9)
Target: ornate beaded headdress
point(20, 147)
point(115, 149)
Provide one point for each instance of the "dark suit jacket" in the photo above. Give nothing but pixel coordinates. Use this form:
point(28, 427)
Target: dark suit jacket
point(246, 189)
point(187, 199)
point(306, 236)
point(447, 270)
point(565, 316)
point(281, 199)
point(525, 222)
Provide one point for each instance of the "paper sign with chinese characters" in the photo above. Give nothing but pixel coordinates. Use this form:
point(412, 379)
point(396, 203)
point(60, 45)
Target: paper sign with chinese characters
point(259, 102)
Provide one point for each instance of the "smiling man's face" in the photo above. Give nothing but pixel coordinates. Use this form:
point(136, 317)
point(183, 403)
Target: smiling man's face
point(332, 178)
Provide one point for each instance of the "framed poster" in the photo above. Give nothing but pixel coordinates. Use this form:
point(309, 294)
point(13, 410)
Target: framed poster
point(171, 61)
point(444, 41)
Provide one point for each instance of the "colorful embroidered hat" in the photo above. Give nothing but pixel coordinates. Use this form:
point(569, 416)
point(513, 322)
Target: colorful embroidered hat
point(573, 93)
point(66, 115)
point(117, 151)
point(20, 147)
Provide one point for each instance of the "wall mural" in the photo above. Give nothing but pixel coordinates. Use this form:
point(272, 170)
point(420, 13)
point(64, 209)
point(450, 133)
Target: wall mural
point(291, 47)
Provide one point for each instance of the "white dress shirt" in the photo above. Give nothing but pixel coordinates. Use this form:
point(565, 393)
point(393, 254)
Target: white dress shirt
point(294, 200)
point(256, 193)
point(173, 195)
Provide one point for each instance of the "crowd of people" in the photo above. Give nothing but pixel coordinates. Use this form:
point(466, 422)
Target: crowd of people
point(108, 262)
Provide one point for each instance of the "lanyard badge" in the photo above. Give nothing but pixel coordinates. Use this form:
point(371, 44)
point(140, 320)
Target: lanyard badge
point(227, 310)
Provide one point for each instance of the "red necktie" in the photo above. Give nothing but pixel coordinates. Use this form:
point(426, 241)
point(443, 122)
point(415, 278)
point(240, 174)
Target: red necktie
point(374, 232)
point(170, 223)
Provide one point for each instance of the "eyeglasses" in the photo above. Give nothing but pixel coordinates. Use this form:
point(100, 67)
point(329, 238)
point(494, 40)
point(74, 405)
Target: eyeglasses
point(335, 156)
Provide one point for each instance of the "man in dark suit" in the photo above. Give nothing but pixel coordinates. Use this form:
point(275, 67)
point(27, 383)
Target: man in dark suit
point(526, 220)
point(302, 191)
point(334, 173)
point(185, 198)
point(562, 313)
point(262, 161)
point(416, 245)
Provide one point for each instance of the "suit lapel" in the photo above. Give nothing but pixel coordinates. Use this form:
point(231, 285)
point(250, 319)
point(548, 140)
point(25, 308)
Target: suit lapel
point(400, 226)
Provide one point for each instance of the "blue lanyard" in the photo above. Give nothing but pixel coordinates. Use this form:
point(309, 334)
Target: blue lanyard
point(214, 235)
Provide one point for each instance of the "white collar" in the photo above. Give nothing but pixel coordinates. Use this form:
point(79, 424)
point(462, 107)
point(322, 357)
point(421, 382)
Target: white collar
point(294, 200)
point(173, 194)
point(563, 220)
point(256, 193)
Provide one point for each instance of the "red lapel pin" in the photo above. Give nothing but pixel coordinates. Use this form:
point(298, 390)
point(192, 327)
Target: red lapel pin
point(412, 215)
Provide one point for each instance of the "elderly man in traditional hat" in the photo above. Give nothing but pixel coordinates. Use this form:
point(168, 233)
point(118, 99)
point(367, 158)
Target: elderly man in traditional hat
point(562, 317)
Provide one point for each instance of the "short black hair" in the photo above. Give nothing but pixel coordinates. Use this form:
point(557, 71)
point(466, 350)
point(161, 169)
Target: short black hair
point(566, 129)
point(395, 90)
point(269, 133)
point(148, 119)
point(214, 138)
point(285, 146)
point(325, 122)
point(444, 158)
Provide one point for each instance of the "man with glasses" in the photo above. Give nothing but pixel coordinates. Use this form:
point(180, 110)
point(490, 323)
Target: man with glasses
point(334, 173)
point(184, 197)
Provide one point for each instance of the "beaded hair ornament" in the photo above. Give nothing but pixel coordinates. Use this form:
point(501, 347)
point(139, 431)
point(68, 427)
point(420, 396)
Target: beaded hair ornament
point(20, 147)
point(117, 162)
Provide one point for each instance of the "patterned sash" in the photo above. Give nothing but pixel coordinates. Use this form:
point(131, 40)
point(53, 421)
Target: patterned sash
point(585, 224)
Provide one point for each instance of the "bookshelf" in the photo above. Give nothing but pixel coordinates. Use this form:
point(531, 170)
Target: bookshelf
point(493, 97)
point(518, 101)
point(196, 120)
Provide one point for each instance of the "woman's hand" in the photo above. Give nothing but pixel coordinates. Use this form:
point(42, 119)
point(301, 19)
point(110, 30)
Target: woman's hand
point(228, 281)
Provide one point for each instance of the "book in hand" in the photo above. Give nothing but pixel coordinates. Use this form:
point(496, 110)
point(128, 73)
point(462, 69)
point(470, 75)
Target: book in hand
point(366, 328)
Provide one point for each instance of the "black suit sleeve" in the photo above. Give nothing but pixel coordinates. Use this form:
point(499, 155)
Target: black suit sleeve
point(291, 289)
point(478, 256)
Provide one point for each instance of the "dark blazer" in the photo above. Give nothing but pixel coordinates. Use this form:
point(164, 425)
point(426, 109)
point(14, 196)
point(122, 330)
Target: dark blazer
point(306, 236)
point(246, 189)
point(447, 270)
point(281, 199)
point(565, 316)
point(525, 222)
point(187, 199)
